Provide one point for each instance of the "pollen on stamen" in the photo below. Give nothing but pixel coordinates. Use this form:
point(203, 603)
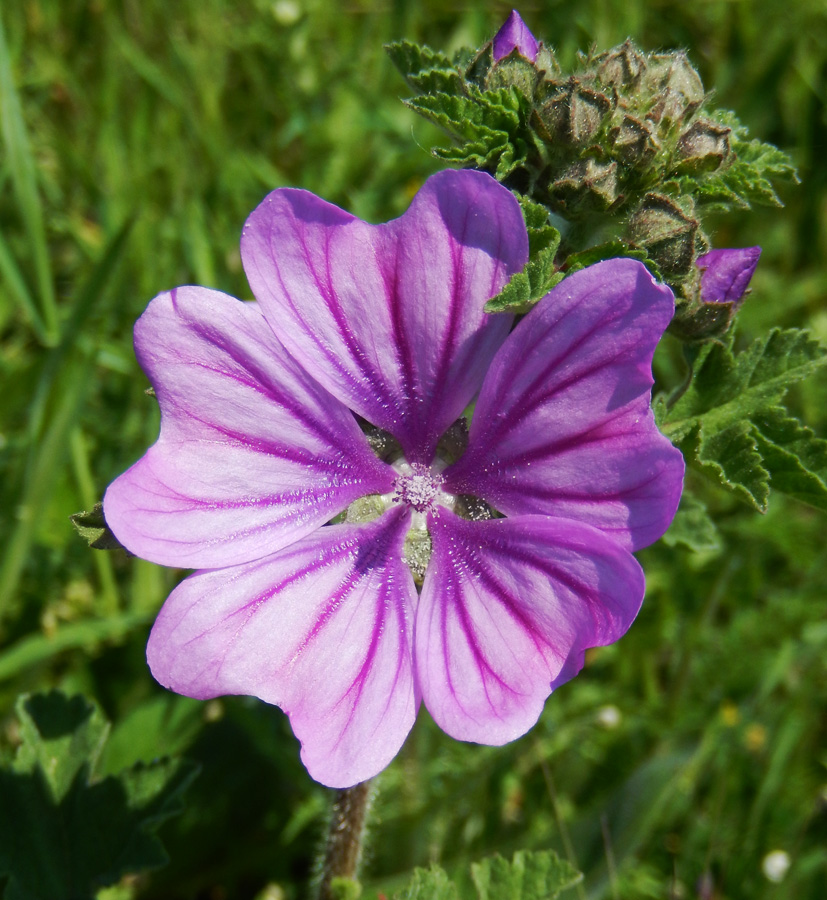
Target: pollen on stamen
point(417, 486)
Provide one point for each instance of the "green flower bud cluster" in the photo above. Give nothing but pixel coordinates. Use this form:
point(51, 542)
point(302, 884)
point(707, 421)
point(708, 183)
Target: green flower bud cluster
point(623, 150)
point(613, 137)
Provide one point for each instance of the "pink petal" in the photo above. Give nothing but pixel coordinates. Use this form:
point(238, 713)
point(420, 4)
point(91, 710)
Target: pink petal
point(321, 629)
point(563, 425)
point(252, 454)
point(389, 317)
point(507, 609)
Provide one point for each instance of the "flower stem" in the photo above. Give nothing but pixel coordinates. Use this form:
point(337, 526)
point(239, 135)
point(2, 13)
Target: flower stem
point(344, 842)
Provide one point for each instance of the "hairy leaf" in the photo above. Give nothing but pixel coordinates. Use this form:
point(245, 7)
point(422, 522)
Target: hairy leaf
point(413, 59)
point(540, 274)
point(749, 178)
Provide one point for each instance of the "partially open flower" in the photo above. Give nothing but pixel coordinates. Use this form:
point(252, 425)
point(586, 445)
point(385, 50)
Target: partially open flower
point(714, 293)
point(726, 274)
point(311, 535)
point(515, 35)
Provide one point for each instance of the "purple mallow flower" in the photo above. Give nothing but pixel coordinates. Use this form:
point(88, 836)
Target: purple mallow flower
point(515, 35)
point(260, 449)
point(725, 274)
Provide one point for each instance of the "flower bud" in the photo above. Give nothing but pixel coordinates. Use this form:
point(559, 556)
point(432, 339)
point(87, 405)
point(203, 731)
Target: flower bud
point(513, 71)
point(575, 113)
point(667, 233)
point(587, 185)
point(621, 66)
point(703, 147)
point(715, 292)
point(515, 35)
point(634, 141)
point(675, 85)
point(725, 274)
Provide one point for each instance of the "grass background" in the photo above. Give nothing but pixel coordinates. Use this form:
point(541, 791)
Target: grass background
point(136, 138)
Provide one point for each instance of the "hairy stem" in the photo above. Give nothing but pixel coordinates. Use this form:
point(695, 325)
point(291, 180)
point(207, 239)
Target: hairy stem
point(344, 839)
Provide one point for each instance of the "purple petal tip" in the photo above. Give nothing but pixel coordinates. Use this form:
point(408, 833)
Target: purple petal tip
point(726, 273)
point(515, 35)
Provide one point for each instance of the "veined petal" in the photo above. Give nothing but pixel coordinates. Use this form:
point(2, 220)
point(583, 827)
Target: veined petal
point(252, 455)
point(507, 609)
point(563, 425)
point(389, 318)
point(321, 629)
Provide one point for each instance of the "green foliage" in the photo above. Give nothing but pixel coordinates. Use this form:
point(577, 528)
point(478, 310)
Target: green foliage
point(692, 526)
point(529, 876)
point(538, 875)
point(729, 423)
point(429, 884)
point(540, 275)
point(686, 752)
point(748, 180)
point(65, 832)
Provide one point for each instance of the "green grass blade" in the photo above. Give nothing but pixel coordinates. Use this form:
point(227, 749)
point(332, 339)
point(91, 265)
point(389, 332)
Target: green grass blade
point(24, 180)
point(39, 648)
point(19, 291)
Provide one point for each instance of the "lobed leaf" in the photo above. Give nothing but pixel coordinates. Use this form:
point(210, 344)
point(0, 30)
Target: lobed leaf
point(795, 457)
point(749, 178)
point(692, 526)
point(64, 833)
point(730, 424)
point(529, 876)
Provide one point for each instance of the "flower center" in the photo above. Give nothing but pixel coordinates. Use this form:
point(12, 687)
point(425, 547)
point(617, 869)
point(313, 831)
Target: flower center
point(417, 485)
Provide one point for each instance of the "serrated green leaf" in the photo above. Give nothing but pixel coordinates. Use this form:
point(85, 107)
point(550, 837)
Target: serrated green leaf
point(795, 457)
point(437, 81)
point(64, 833)
point(751, 174)
point(429, 884)
point(529, 876)
point(729, 423)
point(712, 193)
point(692, 526)
point(731, 456)
point(91, 526)
point(481, 115)
point(728, 388)
point(412, 59)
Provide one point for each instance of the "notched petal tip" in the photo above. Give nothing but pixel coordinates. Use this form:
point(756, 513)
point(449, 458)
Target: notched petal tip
point(389, 318)
point(252, 452)
point(321, 629)
point(563, 425)
point(507, 609)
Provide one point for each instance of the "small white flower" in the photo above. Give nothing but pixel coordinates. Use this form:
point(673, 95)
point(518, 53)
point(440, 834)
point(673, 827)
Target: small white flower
point(775, 865)
point(609, 716)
